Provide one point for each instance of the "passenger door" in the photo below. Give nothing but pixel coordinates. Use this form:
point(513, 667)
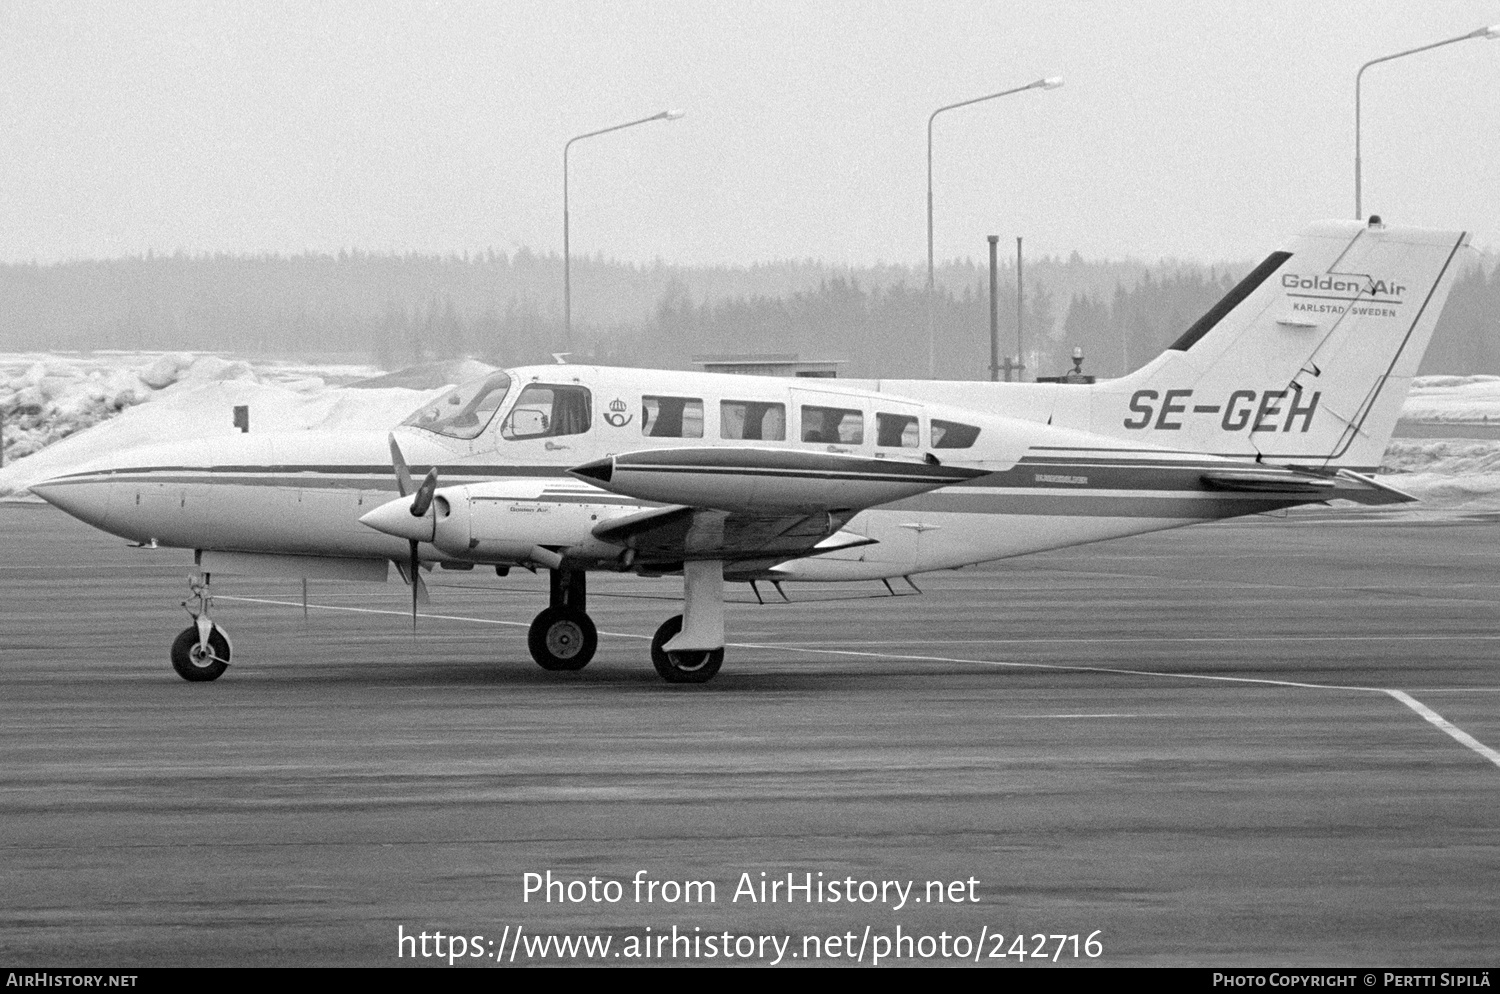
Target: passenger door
point(835, 422)
point(898, 430)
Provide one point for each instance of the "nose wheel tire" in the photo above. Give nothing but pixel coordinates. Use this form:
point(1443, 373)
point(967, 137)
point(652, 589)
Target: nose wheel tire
point(692, 666)
point(562, 639)
point(190, 660)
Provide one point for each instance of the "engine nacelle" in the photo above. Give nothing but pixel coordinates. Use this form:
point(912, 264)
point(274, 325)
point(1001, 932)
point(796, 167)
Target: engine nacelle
point(506, 521)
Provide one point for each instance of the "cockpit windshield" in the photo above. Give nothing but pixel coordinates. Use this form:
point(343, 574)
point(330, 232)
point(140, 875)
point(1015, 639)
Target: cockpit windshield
point(465, 411)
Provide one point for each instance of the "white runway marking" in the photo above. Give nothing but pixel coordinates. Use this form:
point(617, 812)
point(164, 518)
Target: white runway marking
point(375, 610)
point(1432, 716)
point(1164, 639)
point(1427, 713)
point(1018, 717)
point(1446, 725)
point(407, 614)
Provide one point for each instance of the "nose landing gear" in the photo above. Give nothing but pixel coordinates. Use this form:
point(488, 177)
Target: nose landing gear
point(201, 651)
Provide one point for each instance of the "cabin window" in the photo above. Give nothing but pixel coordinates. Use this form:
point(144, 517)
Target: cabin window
point(751, 419)
point(832, 425)
point(897, 431)
point(952, 434)
point(672, 417)
point(544, 411)
point(465, 411)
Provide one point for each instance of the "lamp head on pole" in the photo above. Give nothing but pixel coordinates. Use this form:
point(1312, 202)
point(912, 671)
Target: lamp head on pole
point(1050, 83)
point(671, 115)
point(1492, 32)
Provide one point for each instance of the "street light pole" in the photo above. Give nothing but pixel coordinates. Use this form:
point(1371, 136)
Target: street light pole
point(1491, 32)
point(1020, 311)
point(994, 313)
point(666, 115)
point(1050, 83)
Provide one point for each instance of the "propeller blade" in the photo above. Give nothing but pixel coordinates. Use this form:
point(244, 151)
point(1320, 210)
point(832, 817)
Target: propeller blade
point(416, 578)
point(403, 475)
point(403, 569)
point(423, 500)
point(420, 505)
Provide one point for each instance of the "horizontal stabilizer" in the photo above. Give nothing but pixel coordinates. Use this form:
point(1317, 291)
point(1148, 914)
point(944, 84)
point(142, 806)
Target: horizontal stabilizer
point(1272, 480)
point(1364, 489)
point(1268, 482)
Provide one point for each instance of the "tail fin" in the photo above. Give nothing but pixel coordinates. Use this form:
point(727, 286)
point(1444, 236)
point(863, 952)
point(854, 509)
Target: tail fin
point(1306, 361)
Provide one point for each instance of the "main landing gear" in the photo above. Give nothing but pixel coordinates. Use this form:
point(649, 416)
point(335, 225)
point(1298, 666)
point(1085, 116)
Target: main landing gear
point(688, 648)
point(685, 665)
point(201, 651)
point(563, 636)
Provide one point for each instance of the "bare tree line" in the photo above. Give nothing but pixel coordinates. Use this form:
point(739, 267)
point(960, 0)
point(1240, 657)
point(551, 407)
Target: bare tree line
point(506, 309)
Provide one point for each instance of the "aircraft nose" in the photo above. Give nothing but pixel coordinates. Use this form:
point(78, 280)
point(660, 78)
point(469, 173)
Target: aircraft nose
point(395, 518)
point(88, 501)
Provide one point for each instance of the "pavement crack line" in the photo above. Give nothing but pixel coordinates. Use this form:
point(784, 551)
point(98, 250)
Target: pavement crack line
point(1429, 715)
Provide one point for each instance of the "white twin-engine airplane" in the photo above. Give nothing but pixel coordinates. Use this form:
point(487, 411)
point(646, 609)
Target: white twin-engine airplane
point(1285, 393)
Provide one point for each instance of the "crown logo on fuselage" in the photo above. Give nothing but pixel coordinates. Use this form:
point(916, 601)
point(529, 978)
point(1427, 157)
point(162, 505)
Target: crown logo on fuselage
point(617, 417)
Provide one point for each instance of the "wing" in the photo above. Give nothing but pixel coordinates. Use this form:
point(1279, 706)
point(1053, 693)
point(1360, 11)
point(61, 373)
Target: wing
point(758, 481)
point(752, 507)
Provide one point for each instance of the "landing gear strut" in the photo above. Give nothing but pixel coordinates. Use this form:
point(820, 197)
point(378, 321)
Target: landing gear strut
point(201, 651)
point(563, 636)
point(689, 648)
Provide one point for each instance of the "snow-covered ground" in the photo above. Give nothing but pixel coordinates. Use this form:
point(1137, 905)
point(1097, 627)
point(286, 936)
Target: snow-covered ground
point(1454, 399)
point(1452, 473)
point(58, 411)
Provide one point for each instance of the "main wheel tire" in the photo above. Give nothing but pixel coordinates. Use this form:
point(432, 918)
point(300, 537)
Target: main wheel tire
point(562, 638)
point(697, 666)
point(192, 663)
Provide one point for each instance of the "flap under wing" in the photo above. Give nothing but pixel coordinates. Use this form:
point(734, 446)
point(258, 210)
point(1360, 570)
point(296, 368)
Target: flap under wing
point(672, 535)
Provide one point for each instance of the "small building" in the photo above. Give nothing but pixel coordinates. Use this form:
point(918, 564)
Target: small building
point(771, 364)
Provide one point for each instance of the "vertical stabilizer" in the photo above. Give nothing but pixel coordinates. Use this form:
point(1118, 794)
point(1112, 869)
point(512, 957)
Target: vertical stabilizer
point(1306, 361)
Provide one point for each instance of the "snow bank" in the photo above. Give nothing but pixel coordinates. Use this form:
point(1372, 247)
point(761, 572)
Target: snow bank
point(1458, 473)
point(63, 410)
point(45, 398)
point(1449, 473)
point(1450, 399)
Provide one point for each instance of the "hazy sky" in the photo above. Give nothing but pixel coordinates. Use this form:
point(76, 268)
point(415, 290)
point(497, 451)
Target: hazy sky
point(1190, 129)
